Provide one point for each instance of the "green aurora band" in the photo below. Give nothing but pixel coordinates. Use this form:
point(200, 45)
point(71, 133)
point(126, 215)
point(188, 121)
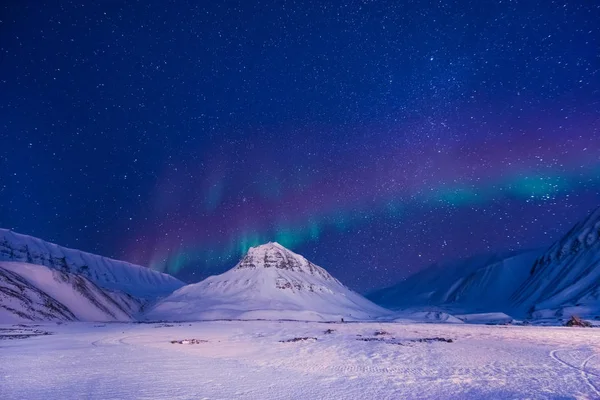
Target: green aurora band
point(530, 187)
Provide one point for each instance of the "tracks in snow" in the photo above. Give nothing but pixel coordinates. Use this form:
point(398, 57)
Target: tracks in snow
point(365, 362)
point(115, 340)
point(583, 371)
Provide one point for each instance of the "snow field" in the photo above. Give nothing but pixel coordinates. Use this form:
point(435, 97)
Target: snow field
point(246, 360)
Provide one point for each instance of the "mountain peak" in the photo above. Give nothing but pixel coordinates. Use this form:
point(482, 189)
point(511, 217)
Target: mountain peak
point(269, 246)
point(269, 282)
point(274, 255)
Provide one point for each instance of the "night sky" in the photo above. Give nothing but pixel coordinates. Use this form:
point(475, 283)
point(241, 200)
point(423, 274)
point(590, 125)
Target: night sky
point(373, 137)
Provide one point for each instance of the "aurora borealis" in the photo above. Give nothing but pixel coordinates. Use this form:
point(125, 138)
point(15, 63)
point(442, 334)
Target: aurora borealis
point(372, 137)
point(358, 192)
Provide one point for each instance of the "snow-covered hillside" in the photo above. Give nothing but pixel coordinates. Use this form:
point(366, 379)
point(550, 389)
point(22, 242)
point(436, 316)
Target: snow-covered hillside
point(565, 280)
point(477, 284)
point(105, 272)
point(31, 292)
point(270, 282)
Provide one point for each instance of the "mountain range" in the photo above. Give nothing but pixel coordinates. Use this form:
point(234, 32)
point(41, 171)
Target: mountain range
point(111, 274)
point(553, 283)
point(565, 279)
point(483, 283)
point(41, 281)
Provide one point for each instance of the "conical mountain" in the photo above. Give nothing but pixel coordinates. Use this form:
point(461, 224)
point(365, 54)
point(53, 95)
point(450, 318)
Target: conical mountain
point(269, 282)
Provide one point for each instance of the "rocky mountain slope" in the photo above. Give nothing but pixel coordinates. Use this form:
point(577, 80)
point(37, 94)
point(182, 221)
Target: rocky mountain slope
point(565, 279)
point(270, 282)
point(31, 292)
point(107, 273)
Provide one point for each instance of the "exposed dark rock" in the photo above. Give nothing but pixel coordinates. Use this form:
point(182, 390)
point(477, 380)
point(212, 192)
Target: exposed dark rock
point(576, 321)
point(299, 339)
point(21, 333)
point(402, 342)
point(165, 326)
point(434, 339)
point(381, 333)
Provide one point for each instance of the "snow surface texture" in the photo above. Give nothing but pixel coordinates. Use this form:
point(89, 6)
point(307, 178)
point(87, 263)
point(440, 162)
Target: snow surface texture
point(257, 360)
point(31, 292)
point(270, 282)
point(136, 280)
point(477, 284)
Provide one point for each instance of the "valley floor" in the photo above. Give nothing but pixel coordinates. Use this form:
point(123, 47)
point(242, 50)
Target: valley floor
point(251, 360)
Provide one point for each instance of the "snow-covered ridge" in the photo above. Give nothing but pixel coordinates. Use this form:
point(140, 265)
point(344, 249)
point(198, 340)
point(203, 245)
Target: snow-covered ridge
point(565, 280)
point(580, 238)
point(269, 282)
point(477, 284)
point(554, 284)
point(31, 292)
point(105, 272)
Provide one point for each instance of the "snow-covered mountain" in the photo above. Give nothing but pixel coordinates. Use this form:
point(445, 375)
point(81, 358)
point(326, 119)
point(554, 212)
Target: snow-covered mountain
point(270, 282)
point(565, 280)
point(477, 284)
point(107, 273)
point(31, 292)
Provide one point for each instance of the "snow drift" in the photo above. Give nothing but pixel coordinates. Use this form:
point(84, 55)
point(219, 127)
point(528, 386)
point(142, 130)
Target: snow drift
point(270, 282)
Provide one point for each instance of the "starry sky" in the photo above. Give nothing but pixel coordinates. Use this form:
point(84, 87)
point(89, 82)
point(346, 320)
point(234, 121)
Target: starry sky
point(373, 137)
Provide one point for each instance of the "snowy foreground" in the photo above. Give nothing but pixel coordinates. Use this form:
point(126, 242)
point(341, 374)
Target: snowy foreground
point(252, 360)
